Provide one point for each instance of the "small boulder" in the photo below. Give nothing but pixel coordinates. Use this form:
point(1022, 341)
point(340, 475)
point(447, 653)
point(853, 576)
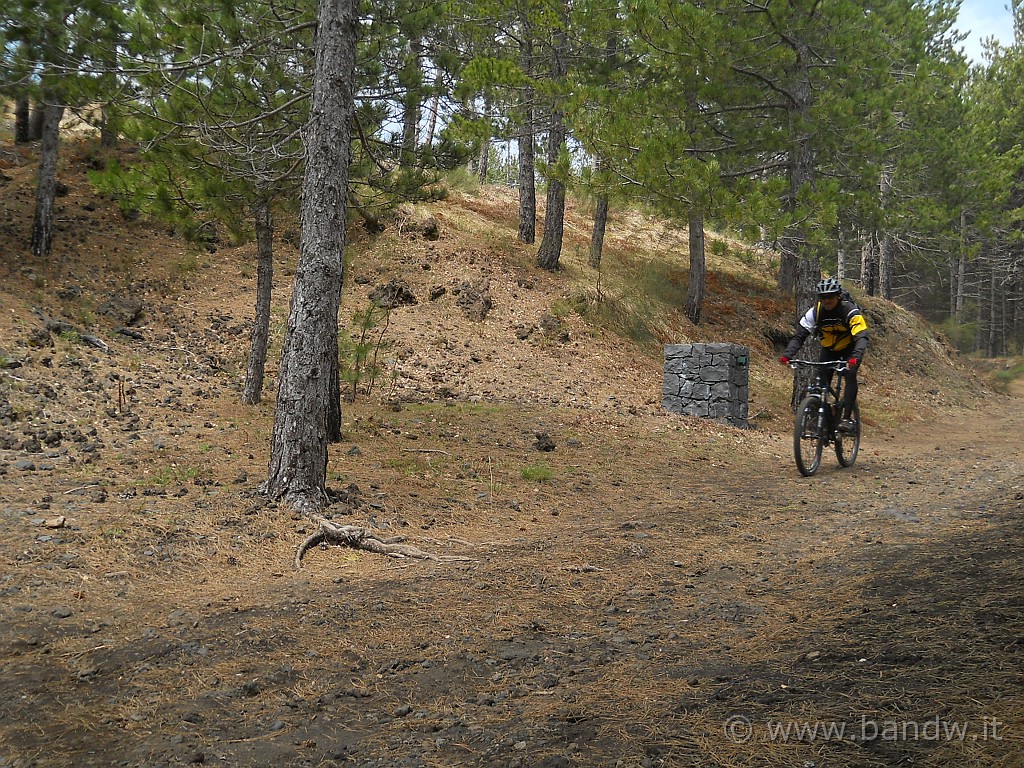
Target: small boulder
point(391, 294)
point(126, 310)
point(543, 442)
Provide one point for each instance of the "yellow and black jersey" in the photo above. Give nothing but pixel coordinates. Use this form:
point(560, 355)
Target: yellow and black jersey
point(840, 329)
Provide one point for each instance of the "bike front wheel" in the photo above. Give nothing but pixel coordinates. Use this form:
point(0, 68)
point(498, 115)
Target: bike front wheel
point(848, 444)
point(808, 436)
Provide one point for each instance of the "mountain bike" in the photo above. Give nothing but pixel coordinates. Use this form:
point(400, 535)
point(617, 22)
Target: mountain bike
point(818, 417)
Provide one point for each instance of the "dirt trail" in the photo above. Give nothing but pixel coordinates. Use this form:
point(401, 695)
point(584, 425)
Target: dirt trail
point(626, 594)
point(662, 601)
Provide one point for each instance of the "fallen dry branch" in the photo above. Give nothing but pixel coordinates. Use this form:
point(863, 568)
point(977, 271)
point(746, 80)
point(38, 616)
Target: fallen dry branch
point(357, 537)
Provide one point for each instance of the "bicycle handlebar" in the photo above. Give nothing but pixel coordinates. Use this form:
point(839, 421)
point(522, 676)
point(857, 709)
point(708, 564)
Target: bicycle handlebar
point(836, 365)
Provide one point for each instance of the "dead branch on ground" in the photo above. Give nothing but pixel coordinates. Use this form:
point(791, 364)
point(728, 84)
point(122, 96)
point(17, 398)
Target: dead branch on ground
point(357, 537)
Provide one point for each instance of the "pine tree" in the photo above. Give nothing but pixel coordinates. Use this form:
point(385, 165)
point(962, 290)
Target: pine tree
point(51, 51)
point(308, 379)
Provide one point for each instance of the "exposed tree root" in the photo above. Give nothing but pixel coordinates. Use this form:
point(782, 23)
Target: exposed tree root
point(357, 537)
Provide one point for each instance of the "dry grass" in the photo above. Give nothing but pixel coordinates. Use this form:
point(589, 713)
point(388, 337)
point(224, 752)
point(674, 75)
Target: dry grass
point(665, 574)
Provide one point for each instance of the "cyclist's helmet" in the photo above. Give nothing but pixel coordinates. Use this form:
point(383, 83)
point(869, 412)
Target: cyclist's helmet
point(829, 287)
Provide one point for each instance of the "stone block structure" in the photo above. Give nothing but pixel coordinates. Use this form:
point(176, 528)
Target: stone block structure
point(708, 380)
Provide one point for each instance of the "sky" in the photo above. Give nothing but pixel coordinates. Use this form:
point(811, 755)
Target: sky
point(983, 19)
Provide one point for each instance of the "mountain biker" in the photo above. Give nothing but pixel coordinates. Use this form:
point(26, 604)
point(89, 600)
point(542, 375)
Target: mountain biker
point(844, 336)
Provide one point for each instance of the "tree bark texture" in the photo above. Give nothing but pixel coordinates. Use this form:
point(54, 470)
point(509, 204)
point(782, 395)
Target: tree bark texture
point(979, 294)
point(308, 376)
point(597, 236)
point(527, 179)
point(527, 158)
point(1016, 321)
point(992, 345)
point(46, 189)
point(260, 335)
point(800, 170)
point(885, 254)
point(808, 275)
point(885, 242)
point(952, 265)
point(869, 263)
point(698, 268)
point(550, 250)
point(961, 269)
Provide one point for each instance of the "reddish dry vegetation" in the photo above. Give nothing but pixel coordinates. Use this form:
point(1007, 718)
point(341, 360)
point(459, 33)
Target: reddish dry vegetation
point(635, 597)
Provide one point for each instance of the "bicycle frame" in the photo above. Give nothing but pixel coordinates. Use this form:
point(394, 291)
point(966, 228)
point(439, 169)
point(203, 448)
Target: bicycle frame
point(830, 392)
point(818, 417)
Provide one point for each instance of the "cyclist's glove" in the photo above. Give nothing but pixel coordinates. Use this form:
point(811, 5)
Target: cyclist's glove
point(853, 362)
point(784, 360)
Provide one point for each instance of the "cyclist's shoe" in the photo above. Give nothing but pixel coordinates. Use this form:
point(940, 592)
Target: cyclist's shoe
point(847, 427)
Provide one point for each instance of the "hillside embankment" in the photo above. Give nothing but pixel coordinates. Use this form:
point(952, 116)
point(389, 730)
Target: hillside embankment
point(655, 590)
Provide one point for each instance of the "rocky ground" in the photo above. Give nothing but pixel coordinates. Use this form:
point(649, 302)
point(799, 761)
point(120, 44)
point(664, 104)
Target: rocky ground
point(650, 590)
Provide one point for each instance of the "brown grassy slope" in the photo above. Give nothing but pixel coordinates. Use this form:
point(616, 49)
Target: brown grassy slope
point(625, 595)
point(616, 319)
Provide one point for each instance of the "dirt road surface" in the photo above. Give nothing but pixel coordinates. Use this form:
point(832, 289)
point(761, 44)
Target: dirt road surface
point(661, 601)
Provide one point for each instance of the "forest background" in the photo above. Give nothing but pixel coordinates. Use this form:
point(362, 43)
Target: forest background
point(857, 136)
point(848, 138)
point(613, 585)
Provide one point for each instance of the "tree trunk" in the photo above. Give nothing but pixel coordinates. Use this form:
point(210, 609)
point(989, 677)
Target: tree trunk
point(22, 129)
point(527, 159)
point(885, 243)
point(527, 178)
point(411, 108)
point(808, 275)
point(550, 250)
point(869, 264)
point(979, 335)
point(953, 287)
point(435, 106)
point(485, 148)
point(308, 377)
point(961, 269)
point(787, 263)
point(597, 236)
point(260, 335)
point(992, 345)
point(801, 169)
point(1017, 321)
point(46, 189)
point(695, 285)
point(109, 126)
point(885, 250)
point(35, 122)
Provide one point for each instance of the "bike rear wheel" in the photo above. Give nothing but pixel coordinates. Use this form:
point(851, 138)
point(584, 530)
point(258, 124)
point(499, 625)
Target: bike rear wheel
point(808, 436)
point(848, 445)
